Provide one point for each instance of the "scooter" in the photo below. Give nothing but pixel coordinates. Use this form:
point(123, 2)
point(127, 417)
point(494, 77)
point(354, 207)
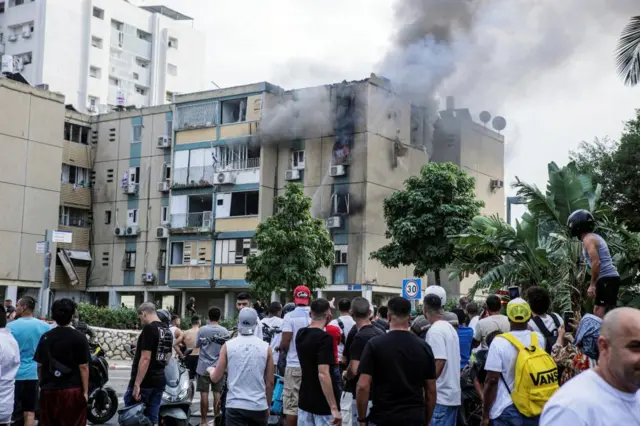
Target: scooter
point(103, 400)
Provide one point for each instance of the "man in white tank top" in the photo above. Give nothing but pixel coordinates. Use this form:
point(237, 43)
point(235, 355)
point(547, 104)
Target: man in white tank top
point(250, 374)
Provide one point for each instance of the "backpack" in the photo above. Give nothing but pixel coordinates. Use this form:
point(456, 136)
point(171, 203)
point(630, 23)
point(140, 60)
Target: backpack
point(341, 325)
point(536, 376)
point(550, 337)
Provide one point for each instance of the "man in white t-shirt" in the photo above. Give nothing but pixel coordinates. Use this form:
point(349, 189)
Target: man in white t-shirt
point(494, 322)
point(345, 322)
point(542, 322)
point(293, 322)
point(501, 369)
point(444, 342)
point(273, 324)
point(608, 394)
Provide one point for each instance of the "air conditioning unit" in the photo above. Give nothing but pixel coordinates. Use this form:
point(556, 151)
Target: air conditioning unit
point(337, 171)
point(26, 34)
point(13, 37)
point(133, 231)
point(224, 178)
point(163, 186)
point(164, 142)
point(292, 174)
point(120, 232)
point(162, 232)
point(148, 277)
point(334, 222)
point(496, 184)
point(131, 188)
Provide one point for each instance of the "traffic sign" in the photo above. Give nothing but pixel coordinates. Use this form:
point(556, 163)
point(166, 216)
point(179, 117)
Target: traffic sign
point(412, 289)
point(62, 237)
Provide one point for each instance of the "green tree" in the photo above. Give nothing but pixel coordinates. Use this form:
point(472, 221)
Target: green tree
point(292, 247)
point(438, 203)
point(628, 52)
point(616, 167)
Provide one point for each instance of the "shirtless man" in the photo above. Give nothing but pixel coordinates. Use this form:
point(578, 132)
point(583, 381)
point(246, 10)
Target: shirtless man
point(189, 339)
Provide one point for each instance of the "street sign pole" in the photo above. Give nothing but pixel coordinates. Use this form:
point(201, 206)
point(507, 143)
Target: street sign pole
point(43, 297)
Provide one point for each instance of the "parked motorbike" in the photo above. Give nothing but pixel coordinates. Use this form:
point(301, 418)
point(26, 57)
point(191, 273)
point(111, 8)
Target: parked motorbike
point(103, 400)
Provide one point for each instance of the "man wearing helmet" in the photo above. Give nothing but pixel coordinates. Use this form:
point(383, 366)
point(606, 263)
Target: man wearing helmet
point(605, 280)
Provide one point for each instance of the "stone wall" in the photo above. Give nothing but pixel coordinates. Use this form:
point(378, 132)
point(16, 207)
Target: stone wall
point(113, 341)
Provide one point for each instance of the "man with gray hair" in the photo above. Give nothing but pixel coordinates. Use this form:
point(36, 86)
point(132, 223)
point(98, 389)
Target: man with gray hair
point(444, 342)
point(366, 330)
point(608, 394)
point(153, 353)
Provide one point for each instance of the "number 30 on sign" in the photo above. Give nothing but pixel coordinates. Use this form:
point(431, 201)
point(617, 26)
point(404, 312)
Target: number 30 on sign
point(412, 289)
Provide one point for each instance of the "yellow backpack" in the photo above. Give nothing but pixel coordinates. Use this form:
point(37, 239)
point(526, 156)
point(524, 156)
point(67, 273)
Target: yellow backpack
point(536, 376)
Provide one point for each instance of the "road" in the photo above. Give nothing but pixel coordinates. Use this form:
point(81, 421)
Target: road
point(119, 379)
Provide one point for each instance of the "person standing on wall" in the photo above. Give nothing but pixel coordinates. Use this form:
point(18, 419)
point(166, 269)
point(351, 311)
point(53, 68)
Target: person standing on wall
point(605, 280)
point(27, 331)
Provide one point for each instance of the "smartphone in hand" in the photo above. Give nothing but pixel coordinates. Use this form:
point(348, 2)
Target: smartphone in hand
point(568, 318)
point(514, 292)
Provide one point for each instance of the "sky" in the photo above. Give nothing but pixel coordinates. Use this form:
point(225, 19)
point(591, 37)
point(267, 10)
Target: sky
point(570, 94)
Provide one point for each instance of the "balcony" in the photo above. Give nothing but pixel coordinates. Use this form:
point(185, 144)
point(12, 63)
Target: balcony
point(246, 164)
point(193, 177)
point(80, 237)
point(196, 222)
point(75, 196)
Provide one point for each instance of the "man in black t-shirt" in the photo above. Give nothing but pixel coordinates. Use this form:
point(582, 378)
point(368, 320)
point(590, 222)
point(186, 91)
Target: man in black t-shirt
point(153, 353)
point(319, 392)
point(398, 371)
point(63, 369)
point(366, 330)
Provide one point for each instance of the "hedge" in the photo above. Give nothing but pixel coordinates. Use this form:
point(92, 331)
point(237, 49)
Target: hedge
point(125, 318)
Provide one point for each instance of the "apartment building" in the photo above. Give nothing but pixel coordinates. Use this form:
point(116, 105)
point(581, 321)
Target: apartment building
point(31, 134)
point(102, 53)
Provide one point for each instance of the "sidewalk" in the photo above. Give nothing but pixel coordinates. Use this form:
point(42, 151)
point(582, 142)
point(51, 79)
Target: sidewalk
point(119, 364)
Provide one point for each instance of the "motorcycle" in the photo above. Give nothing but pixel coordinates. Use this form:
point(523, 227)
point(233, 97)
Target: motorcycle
point(103, 400)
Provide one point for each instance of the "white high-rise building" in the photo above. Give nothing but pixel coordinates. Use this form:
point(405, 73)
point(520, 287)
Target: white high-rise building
point(102, 53)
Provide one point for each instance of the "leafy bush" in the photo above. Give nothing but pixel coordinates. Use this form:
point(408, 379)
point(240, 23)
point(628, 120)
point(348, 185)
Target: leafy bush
point(101, 316)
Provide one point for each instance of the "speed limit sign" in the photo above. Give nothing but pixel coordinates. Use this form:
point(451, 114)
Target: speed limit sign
point(412, 289)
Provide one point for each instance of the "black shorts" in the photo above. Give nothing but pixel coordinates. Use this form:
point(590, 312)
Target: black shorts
point(192, 364)
point(26, 397)
point(607, 291)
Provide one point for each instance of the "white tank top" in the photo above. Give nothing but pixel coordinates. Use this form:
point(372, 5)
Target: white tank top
point(173, 337)
point(247, 361)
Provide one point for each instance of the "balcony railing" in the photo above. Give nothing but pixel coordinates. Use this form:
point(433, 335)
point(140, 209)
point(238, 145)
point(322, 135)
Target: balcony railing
point(247, 163)
point(200, 221)
point(193, 177)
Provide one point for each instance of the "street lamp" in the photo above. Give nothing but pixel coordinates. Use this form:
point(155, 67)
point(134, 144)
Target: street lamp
point(513, 200)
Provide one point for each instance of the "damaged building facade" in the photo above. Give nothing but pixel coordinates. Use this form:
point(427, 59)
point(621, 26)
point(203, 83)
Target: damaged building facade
point(177, 191)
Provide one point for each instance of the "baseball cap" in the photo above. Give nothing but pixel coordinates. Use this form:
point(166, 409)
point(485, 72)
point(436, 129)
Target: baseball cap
point(518, 310)
point(301, 295)
point(451, 318)
point(438, 291)
point(247, 321)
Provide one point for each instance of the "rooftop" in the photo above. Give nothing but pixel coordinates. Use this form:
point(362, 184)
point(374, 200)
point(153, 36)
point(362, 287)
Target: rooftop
point(168, 12)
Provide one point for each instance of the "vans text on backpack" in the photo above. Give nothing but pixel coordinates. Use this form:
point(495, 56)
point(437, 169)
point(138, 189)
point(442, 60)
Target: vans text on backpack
point(550, 337)
point(536, 376)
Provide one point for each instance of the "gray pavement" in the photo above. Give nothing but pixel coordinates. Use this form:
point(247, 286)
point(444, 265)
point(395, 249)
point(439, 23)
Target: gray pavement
point(119, 376)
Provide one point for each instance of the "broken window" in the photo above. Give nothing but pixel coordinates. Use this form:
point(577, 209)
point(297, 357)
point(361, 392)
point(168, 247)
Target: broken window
point(234, 111)
point(340, 252)
point(244, 203)
point(68, 216)
point(198, 115)
point(236, 251)
point(130, 259)
point(297, 160)
point(340, 204)
point(177, 253)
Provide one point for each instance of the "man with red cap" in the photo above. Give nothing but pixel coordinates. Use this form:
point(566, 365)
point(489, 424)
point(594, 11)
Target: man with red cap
point(294, 321)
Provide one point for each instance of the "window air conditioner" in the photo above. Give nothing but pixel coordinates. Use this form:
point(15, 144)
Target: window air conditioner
point(164, 142)
point(292, 175)
point(224, 178)
point(119, 232)
point(334, 222)
point(131, 188)
point(337, 171)
point(133, 231)
point(496, 184)
point(162, 232)
point(163, 186)
point(148, 277)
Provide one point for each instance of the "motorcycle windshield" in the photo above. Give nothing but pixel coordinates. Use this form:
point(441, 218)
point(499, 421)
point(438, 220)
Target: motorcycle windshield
point(172, 373)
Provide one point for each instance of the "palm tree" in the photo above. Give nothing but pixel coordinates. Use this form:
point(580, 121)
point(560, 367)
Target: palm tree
point(628, 52)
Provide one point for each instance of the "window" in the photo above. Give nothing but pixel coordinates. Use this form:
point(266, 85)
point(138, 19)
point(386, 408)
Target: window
point(142, 90)
point(162, 259)
point(166, 174)
point(114, 81)
point(98, 13)
point(134, 175)
point(95, 72)
point(177, 253)
point(234, 252)
point(93, 103)
point(1, 11)
point(76, 133)
point(173, 42)
point(96, 42)
point(75, 175)
point(142, 35)
point(110, 175)
point(137, 133)
point(172, 69)
point(136, 76)
point(340, 204)
point(297, 160)
point(117, 25)
point(68, 216)
point(234, 111)
point(105, 258)
point(107, 217)
point(27, 57)
point(340, 252)
point(244, 203)
point(142, 63)
point(164, 215)
point(130, 259)
point(132, 217)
